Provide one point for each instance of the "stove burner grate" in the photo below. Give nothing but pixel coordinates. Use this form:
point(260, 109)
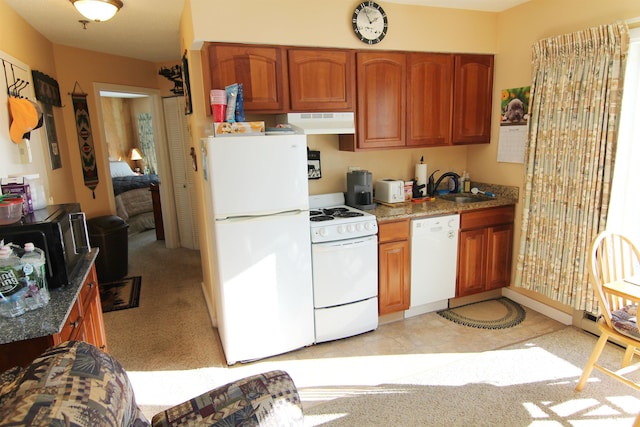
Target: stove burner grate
point(347, 214)
point(321, 218)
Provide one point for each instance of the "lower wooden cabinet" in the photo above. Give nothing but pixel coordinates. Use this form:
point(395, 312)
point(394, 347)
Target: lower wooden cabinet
point(84, 323)
point(485, 250)
point(394, 266)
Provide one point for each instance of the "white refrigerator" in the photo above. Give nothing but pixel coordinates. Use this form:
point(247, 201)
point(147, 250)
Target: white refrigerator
point(259, 220)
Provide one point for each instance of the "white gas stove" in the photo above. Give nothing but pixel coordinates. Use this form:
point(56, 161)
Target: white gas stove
point(332, 220)
point(344, 253)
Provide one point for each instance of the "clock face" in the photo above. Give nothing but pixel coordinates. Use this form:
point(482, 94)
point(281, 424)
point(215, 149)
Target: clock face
point(370, 22)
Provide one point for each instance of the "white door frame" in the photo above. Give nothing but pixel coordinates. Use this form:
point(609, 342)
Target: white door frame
point(169, 217)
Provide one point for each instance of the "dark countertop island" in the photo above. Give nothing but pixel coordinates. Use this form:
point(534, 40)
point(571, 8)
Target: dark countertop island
point(48, 320)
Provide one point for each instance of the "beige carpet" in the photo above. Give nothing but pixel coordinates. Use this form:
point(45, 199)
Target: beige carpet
point(531, 383)
point(172, 353)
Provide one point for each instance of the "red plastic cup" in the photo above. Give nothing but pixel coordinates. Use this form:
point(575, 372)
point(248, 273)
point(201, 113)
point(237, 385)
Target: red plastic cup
point(219, 112)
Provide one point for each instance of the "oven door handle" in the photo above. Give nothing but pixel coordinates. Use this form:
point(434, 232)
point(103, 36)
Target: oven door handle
point(346, 244)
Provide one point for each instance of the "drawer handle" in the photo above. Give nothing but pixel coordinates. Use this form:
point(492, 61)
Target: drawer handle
point(91, 284)
point(74, 324)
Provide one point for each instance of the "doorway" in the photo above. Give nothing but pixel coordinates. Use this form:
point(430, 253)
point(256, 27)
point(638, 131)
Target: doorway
point(162, 160)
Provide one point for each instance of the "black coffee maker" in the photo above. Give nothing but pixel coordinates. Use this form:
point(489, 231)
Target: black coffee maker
point(360, 189)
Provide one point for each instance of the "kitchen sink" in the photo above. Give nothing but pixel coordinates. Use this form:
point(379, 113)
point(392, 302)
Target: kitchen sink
point(466, 198)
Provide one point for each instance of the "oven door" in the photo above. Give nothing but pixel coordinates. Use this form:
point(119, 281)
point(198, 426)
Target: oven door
point(345, 271)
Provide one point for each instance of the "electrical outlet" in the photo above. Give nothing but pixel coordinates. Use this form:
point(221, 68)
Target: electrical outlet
point(354, 168)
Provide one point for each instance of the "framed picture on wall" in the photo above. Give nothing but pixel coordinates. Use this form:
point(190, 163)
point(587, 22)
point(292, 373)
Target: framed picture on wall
point(46, 89)
point(188, 109)
point(52, 136)
point(313, 164)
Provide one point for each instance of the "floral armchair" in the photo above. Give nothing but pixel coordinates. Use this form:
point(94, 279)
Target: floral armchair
point(76, 384)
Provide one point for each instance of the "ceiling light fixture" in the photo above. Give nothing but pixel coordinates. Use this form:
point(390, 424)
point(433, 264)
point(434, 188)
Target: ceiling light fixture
point(97, 10)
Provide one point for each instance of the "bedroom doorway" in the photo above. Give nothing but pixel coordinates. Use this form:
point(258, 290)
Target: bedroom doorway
point(162, 157)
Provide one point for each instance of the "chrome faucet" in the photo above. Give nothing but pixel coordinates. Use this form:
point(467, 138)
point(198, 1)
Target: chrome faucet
point(433, 187)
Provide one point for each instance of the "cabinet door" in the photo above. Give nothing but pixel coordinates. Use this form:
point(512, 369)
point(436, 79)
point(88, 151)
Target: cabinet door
point(473, 77)
point(472, 258)
point(499, 239)
point(429, 93)
point(260, 69)
point(381, 102)
point(393, 281)
point(321, 79)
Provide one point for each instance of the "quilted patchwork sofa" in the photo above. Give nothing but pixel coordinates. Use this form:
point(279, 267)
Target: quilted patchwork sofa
point(75, 384)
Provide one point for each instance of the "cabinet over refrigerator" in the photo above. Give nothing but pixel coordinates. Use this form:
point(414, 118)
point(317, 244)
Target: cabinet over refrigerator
point(258, 205)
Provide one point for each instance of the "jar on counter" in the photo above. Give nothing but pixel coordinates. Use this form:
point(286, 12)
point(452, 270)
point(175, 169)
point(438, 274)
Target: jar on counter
point(12, 285)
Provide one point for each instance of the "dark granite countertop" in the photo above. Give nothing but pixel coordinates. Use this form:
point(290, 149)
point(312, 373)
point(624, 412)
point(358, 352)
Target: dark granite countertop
point(48, 320)
point(505, 195)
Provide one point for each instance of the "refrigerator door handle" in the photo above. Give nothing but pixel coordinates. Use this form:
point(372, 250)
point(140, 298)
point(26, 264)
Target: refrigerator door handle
point(259, 217)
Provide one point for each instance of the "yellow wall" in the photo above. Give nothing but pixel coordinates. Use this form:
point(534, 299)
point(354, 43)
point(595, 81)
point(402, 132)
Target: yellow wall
point(509, 35)
point(86, 67)
point(22, 42)
point(518, 30)
point(70, 65)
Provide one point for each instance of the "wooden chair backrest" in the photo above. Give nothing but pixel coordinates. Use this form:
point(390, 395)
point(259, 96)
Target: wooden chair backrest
point(613, 257)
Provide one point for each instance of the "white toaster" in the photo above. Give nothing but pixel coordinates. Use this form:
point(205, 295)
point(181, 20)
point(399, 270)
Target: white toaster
point(389, 191)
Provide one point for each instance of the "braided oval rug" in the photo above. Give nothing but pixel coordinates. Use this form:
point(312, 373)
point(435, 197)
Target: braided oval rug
point(499, 313)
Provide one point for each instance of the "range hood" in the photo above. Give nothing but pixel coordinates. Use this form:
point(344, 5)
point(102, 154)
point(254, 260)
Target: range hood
point(321, 123)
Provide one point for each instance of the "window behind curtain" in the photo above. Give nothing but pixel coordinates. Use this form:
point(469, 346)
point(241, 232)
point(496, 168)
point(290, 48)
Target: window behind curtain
point(624, 209)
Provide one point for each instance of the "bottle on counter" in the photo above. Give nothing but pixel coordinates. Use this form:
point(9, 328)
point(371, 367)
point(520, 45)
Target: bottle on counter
point(12, 284)
point(467, 182)
point(33, 266)
point(461, 182)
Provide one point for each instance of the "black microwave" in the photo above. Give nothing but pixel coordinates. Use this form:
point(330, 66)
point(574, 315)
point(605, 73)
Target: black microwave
point(60, 231)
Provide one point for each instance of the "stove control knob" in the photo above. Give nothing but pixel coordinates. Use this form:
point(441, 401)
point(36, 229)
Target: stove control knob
point(323, 232)
point(340, 229)
point(359, 227)
point(350, 228)
point(369, 226)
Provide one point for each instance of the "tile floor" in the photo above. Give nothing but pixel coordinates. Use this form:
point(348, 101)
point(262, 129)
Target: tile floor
point(168, 344)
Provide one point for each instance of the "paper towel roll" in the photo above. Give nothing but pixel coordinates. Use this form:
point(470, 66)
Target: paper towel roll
point(421, 176)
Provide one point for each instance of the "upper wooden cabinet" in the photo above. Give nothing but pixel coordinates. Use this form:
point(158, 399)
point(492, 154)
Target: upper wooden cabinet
point(444, 99)
point(381, 101)
point(429, 93)
point(261, 70)
point(321, 79)
point(473, 88)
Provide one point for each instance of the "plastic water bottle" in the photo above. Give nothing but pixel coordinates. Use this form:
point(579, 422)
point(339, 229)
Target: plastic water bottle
point(32, 263)
point(12, 285)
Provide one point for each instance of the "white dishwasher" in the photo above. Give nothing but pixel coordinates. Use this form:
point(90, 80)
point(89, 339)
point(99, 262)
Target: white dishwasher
point(434, 259)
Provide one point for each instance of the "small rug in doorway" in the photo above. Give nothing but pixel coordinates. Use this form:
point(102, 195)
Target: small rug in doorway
point(497, 313)
point(121, 294)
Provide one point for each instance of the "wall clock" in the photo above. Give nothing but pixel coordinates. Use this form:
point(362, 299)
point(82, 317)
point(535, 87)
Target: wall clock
point(370, 22)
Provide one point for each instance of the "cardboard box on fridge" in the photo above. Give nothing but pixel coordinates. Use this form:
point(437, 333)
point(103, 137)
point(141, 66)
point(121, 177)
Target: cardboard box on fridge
point(16, 185)
point(238, 128)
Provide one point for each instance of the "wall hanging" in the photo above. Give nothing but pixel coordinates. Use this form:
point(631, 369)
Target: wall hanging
point(85, 139)
point(188, 109)
point(174, 74)
point(48, 93)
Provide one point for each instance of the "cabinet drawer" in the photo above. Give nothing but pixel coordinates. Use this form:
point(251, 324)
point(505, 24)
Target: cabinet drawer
point(487, 217)
point(393, 231)
point(72, 323)
point(90, 282)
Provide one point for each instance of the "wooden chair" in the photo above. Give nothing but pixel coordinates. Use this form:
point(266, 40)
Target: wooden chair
point(614, 257)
